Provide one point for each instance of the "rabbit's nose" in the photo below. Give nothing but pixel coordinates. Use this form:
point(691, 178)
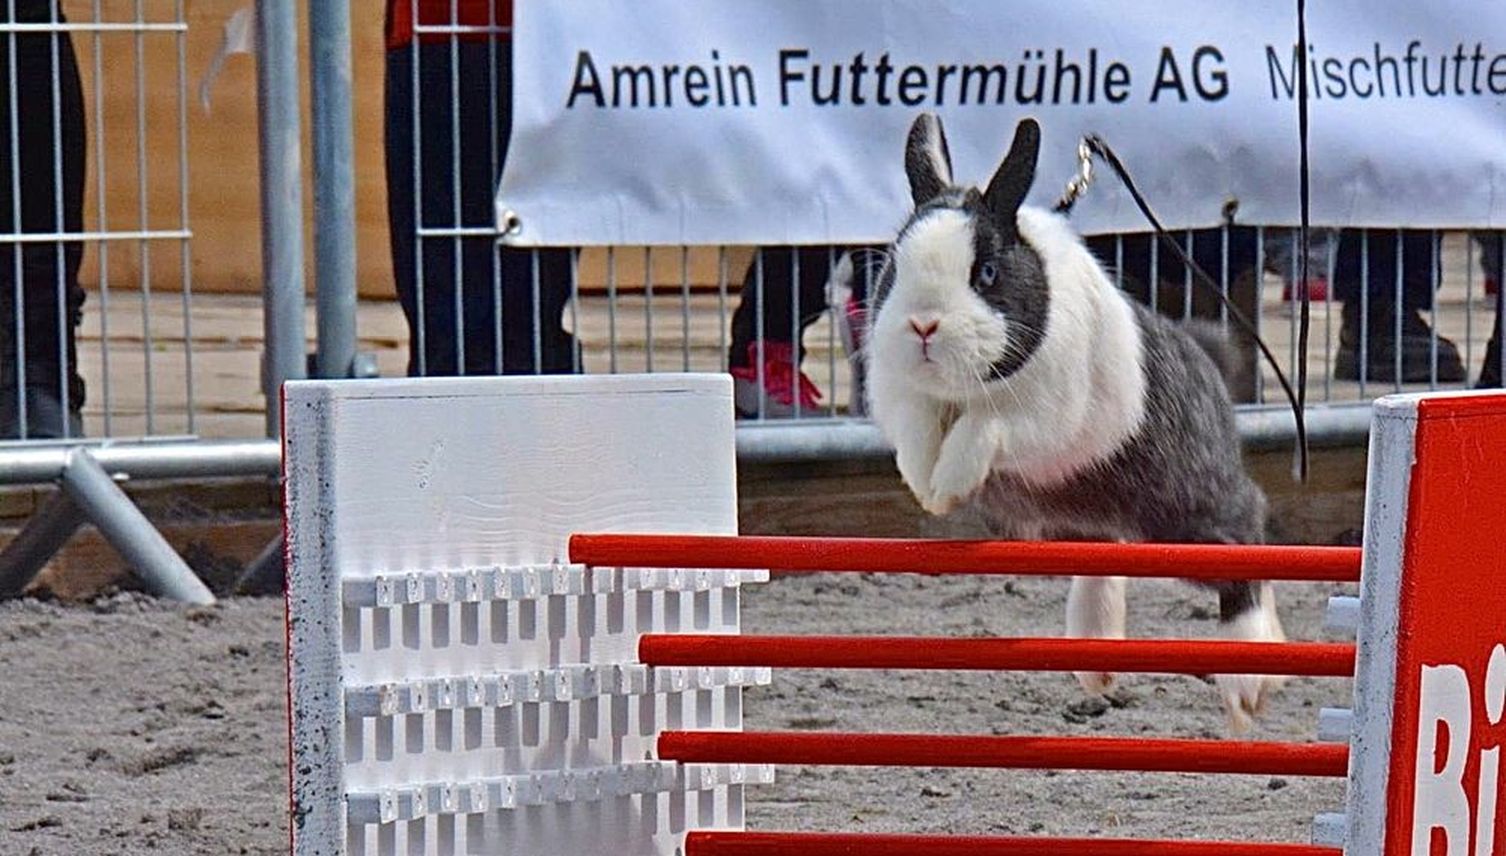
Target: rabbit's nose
point(924, 328)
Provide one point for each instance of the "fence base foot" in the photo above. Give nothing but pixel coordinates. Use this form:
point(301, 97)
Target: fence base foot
point(44, 534)
point(266, 573)
point(133, 536)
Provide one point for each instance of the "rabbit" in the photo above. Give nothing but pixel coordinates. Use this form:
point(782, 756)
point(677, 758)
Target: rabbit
point(1014, 380)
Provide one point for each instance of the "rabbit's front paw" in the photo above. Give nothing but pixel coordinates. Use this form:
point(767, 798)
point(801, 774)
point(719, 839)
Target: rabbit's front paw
point(938, 505)
point(915, 469)
point(957, 476)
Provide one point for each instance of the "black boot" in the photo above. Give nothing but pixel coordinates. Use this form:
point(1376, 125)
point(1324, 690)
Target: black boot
point(45, 416)
point(1490, 372)
point(1416, 345)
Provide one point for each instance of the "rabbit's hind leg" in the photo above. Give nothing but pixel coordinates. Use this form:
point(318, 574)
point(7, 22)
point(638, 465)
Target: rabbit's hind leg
point(1248, 613)
point(1096, 610)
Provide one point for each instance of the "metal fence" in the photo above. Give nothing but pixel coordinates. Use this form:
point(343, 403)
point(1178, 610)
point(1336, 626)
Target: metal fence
point(1395, 310)
point(97, 307)
point(64, 233)
point(718, 309)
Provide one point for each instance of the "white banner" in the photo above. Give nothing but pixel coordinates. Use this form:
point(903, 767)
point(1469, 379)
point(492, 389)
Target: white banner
point(783, 121)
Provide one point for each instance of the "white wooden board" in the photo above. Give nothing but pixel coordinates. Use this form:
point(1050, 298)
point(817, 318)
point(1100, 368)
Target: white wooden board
point(456, 688)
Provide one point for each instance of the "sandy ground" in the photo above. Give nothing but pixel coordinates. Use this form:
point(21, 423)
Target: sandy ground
point(131, 726)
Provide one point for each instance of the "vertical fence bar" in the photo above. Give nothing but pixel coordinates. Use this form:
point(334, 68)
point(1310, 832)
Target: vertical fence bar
point(648, 308)
point(497, 307)
point(334, 186)
point(1223, 278)
point(1293, 273)
point(574, 311)
point(1435, 277)
point(457, 223)
point(1330, 263)
point(1119, 261)
point(59, 249)
point(1155, 272)
point(103, 247)
point(494, 153)
point(722, 275)
point(415, 105)
point(612, 309)
point(184, 251)
point(1469, 302)
point(834, 312)
point(144, 246)
point(281, 199)
point(758, 333)
point(1187, 280)
point(538, 332)
point(795, 337)
point(684, 308)
point(18, 304)
point(1396, 310)
point(1259, 311)
point(1364, 332)
point(1498, 331)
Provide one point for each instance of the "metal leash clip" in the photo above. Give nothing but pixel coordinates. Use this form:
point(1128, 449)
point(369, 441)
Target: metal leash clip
point(1080, 182)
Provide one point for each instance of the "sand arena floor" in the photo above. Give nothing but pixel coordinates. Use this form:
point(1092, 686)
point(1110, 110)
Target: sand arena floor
point(132, 726)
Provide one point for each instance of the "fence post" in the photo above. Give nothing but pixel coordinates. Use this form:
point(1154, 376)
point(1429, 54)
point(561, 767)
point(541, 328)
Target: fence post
point(281, 199)
point(334, 187)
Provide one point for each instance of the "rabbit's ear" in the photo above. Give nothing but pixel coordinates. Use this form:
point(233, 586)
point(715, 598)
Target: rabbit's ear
point(927, 161)
point(1007, 191)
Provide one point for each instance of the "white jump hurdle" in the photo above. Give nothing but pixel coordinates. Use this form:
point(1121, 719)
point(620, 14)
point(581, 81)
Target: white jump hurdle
point(458, 687)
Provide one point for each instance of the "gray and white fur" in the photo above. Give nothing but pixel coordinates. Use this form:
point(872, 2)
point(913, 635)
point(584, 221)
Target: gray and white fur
point(1012, 377)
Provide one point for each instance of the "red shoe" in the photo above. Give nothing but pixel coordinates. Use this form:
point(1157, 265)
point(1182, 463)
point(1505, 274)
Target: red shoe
point(1317, 291)
point(1492, 286)
point(779, 375)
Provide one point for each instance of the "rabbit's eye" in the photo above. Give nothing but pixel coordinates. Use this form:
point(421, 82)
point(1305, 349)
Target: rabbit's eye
point(987, 273)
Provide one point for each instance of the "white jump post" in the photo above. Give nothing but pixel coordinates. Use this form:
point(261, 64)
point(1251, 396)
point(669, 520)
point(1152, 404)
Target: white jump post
point(455, 687)
point(1430, 682)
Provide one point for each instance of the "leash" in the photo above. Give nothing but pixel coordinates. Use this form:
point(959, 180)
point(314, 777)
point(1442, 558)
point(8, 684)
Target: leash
point(1094, 146)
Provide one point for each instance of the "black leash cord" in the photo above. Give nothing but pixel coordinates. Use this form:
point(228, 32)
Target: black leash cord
point(1297, 399)
point(1304, 240)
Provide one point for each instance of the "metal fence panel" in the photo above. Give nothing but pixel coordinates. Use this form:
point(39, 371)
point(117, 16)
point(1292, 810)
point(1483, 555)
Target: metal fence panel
point(1393, 309)
point(68, 371)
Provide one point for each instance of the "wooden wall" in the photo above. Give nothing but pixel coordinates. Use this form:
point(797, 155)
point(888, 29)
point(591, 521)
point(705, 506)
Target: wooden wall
point(223, 202)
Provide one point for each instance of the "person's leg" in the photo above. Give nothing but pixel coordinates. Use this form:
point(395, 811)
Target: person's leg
point(1386, 278)
point(39, 285)
point(786, 287)
point(535, 283)
point(422, 192)
point(533, 334)
point(1493, 259)
point(479, 101)
point(402, 223)
point(784, 292)
point(1281, 255)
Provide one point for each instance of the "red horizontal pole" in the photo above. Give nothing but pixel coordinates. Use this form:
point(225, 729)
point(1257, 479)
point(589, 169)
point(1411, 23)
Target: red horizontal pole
point(1011, 752)
point(894, 555)
point(1149, 656)
point(852, 844)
